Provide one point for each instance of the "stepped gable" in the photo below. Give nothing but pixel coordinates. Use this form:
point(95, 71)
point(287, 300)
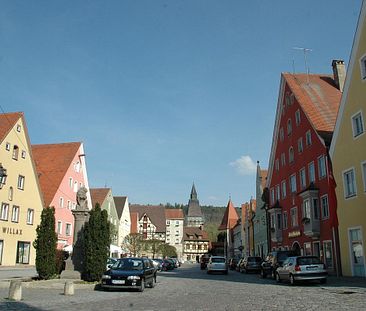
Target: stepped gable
point(52, 162)
point(230, 218)
point(156, 213)
point(98, 195)
point(7, 122)
point(120, 202)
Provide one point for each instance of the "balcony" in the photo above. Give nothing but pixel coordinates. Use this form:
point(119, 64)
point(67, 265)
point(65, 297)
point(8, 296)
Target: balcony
point(310, 211)
point(276, 235)
point(275, 216)
point(311, 227)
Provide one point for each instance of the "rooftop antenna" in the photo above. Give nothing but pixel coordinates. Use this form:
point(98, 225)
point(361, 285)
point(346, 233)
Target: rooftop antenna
point(305, 50)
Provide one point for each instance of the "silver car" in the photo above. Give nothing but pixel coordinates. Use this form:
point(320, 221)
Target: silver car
point(302, 268)
point(217, 264)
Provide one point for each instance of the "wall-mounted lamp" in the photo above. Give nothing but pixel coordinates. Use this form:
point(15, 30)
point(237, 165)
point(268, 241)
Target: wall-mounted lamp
point(3, 176)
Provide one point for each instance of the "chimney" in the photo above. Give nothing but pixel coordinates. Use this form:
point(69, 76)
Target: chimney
point(339, 72)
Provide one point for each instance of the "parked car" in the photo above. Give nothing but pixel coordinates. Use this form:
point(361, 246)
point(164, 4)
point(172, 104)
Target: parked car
point(133, 273)
point(167, 265)
point(302, 268)
point(217, 264)
point(110, 262)
point(250, 263)
point(273, 261)
point(237, 268)
point(203, 261)
point(176, 262)
point(158, 263)
point(232, 263)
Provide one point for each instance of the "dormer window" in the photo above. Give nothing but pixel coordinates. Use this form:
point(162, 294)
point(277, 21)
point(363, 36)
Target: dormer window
point(15, 152)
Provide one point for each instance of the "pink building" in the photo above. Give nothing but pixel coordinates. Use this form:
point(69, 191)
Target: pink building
point(61, 170)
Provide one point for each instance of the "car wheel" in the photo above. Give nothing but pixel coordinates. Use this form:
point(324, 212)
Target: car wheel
point(263, 275)
point(292, 279)
point(152, 284)
point(323, 281)
point(274, 274)
point(278, 279)
point(142, 286)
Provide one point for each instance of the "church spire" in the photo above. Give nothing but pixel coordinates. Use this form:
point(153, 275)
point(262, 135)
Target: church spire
point(193, 193)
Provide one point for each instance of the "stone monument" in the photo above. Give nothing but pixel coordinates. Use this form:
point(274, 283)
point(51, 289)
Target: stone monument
point(75, 263)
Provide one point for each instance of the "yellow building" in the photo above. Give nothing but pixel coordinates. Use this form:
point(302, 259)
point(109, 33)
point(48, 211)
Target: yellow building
point(20, 196)
point(348, 152)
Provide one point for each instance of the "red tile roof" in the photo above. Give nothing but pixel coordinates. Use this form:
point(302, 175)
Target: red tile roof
point(195, 232)
point(230, 217)
point(7, 122)
point(174, 213)
point(318, 96)
point(98, 195)
point(155, 213)
point(52, 162)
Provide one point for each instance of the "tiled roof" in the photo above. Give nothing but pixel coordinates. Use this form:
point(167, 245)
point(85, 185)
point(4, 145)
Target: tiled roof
point(155, 213)
point(7, 122)
point(98, 195)
point(134, 219)
point(52, 162)
point(195, 232)
point(230, 217)
point(120, 202)
point(318, 96)
point(174, 213)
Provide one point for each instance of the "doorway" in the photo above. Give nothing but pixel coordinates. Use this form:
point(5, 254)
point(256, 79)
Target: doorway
point(296, 248)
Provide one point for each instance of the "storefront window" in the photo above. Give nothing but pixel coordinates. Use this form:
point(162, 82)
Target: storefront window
point(23, 252)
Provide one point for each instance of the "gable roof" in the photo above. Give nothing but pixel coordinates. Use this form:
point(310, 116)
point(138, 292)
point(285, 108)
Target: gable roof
point(52, 162)
point(156, 213)
point(195, 232)
point(120, 203)
point(7, 122)
point(98, 195)
point(230, 217)
point(174, 213)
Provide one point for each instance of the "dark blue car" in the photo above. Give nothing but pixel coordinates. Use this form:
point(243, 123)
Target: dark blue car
point(130, 273)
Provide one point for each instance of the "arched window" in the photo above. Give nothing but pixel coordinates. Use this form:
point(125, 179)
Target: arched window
point(289, 127)
point(10, 195)
point(15, 152)
point(291, 155)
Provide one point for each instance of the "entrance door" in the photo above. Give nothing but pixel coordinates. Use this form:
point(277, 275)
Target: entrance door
point(357, 255)
point(296, 249)
point(23, 252)
point(316, 249)
point(328, 254)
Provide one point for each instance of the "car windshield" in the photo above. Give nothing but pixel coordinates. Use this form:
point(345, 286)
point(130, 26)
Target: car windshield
point(128, 264)
point(308, 261)
point(282, 256)
point(254, 259)
point(218, 260)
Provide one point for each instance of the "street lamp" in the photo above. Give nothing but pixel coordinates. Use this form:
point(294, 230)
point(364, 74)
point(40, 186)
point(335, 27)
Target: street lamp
point(3, 176)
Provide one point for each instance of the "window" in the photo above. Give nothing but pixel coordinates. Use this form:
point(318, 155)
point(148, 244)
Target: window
point(283, 184)
point(24, 153)
point(168, 222)
point(297, 117)
point(4, 211)
point(273, 221)
point(328, 254)
point(70, 182)
point(15, 214)
point(272, 196)
point(279, 221)
point(293, 183)
point(23, 252)
point(177, 223)
point(349, 183)
point(61, 202)
point(306, 213)
point(321, 165)
point(278, 192)
point(283, 159)
point(300, 146)
point(316, 208)
point(68, 230)
point(30, 216)
point(10, 194)
point(294, 222)
point(325, 207)
point(7, 146)
point(69, 204)
point(75, 186)
point(287, 99)
point(277, 165)
point(302, 178)
point(284, 220)
point(19, 128)
point(308, 138)
point(289, 127)
point(291, 155)
point(357, 124)
point(307, 249)
point(311, 172)
point(282, 136)
point(77, 167)
point(363, 168)
point(21, 182)
point(363, 67)
point(15, 152)
point(59, 227)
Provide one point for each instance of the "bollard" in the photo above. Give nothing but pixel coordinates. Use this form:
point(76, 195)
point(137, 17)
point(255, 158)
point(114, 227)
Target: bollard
point(69, 288)
point(15, 290)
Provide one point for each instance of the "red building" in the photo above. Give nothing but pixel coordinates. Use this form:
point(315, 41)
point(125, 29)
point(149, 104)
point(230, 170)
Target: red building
point(300, 209)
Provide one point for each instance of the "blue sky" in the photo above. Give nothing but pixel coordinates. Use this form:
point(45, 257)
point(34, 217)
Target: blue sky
point(164, 93)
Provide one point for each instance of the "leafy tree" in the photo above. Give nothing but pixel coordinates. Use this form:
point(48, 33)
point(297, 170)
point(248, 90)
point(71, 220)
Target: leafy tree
point(154, 246)
point(212, 231)
point(134, 243)
point(221, 237)
point(168, 250)
point(97, 239)
point(46, 244)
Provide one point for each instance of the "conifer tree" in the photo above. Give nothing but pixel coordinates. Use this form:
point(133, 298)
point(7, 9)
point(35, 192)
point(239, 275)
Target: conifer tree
point(46, 244)
point(97, 239)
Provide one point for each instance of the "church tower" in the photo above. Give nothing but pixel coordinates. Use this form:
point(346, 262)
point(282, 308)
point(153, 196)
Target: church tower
point(195, 217)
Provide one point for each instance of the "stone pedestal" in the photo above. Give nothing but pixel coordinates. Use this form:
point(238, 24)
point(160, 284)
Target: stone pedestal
point(15, 290)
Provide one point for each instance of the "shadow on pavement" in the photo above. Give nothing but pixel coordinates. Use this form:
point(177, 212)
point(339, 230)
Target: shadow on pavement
point(17, 305)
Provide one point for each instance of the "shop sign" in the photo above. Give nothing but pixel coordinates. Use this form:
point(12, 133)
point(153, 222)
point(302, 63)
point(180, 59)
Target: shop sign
point(294, 234)
point(7, 230)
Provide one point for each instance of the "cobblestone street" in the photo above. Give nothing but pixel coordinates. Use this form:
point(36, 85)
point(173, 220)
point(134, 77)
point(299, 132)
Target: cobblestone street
point(189, 288)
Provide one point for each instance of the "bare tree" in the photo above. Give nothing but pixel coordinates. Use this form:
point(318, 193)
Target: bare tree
point(134, 243)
